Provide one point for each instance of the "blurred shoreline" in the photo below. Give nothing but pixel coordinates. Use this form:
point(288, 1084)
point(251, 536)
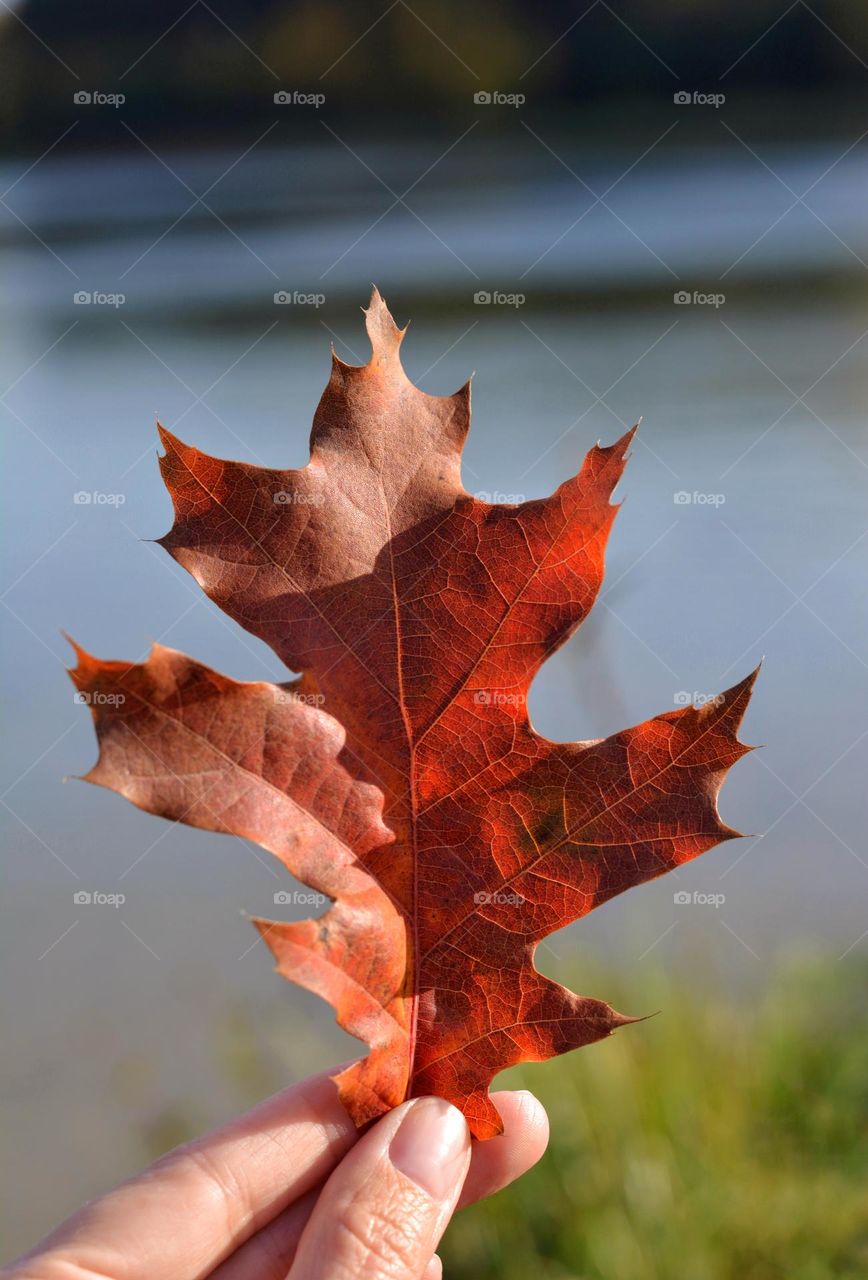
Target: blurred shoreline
point(530, 223)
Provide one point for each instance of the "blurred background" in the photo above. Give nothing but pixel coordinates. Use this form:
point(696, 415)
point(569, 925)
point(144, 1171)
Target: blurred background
point(608, 210)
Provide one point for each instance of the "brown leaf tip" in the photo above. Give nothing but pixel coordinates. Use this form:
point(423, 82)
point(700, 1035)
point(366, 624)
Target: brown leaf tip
point(173, 445)
point(624, 1020)
point(736, 699)
point(622, 446)
point(169, 442)
point(384, 334)
point(86, 665)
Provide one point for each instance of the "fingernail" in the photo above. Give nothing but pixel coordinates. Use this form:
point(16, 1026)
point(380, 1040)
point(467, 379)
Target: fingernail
point(431, 1145)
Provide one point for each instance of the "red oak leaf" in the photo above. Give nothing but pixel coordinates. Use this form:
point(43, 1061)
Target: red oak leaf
point(400, 775)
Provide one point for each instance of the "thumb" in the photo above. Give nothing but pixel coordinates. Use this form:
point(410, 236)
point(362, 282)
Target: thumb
point(382, 1212)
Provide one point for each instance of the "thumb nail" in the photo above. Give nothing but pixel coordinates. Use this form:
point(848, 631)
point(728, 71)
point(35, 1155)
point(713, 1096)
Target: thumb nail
point(431, 1146)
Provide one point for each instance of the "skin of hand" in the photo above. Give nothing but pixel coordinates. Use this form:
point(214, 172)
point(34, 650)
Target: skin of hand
point(293, 1191)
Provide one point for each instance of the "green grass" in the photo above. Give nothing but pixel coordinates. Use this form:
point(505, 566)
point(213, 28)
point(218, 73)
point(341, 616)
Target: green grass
point(720, 1141)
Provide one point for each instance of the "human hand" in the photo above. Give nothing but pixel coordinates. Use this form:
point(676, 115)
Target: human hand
point(291, 1191)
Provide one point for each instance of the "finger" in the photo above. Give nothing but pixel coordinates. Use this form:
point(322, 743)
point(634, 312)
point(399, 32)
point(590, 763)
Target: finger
point(382, 1212)
point(434, 1270)
point(181, 1217)
point(493, 1165)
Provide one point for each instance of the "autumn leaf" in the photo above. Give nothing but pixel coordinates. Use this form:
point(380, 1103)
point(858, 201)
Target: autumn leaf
point(399, 774)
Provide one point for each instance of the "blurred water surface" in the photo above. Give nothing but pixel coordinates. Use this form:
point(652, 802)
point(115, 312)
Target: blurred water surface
point(560, 218)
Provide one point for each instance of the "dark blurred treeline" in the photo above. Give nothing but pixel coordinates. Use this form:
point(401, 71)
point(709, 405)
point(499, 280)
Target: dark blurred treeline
point(209, 68)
